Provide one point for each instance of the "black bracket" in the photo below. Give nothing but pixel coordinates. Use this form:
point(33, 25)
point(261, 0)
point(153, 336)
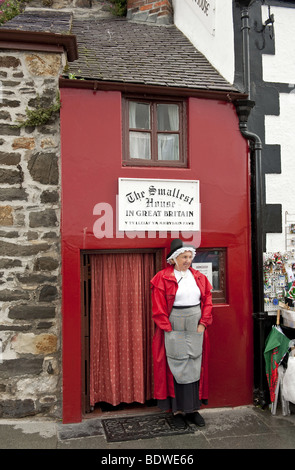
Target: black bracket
point(268, 24)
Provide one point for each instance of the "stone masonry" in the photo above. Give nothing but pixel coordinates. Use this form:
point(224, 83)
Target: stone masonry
point(30, 258)
point(150, 11)
point(30, 268)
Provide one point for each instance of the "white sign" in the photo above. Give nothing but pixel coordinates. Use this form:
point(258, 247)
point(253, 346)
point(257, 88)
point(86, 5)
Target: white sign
point(153, 204)
point(205, 10)
point(206, 269)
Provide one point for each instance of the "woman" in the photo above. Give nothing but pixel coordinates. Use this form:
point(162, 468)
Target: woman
point(182, 311)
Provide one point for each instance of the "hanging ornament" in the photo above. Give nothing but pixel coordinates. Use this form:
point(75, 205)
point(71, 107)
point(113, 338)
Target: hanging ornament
point(278, 258)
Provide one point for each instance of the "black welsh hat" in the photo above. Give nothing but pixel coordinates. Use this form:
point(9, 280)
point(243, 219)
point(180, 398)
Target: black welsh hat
point(177, 244)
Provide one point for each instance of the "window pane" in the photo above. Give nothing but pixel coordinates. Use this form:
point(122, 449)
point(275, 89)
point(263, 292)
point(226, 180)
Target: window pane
point(168, 147)
point(140, 145)
point(209, 259)
point(139, 115)
point(212, 262)
point(168, 117)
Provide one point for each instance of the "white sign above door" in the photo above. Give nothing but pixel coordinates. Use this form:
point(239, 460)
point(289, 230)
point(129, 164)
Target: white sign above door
point(158, 205)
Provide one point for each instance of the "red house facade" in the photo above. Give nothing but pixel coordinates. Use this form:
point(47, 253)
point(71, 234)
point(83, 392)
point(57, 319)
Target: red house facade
point(130, 75)
point(94, 130)
point(218, 158)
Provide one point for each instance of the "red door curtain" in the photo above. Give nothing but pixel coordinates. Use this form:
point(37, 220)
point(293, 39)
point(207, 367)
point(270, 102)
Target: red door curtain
point(121, 328)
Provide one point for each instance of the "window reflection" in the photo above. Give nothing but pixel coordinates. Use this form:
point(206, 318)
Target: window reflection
point(211, 262)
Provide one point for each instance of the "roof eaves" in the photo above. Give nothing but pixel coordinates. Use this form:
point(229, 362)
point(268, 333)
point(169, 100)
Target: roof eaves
point(17, 39)
point(163, 90)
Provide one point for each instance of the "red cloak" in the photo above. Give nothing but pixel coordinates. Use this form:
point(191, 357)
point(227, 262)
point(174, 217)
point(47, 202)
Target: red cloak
point(164, 287)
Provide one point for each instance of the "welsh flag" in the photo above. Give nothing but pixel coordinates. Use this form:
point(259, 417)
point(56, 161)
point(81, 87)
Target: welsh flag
point(291, 291)
point(276, 346)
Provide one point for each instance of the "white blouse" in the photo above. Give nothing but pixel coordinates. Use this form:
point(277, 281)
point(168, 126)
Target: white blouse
point(188, 293)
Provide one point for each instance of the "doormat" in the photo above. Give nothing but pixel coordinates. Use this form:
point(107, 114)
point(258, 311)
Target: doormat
point(142, 427)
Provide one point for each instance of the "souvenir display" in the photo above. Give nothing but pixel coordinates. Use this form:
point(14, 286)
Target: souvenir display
point(279, 299)
point(279, 280)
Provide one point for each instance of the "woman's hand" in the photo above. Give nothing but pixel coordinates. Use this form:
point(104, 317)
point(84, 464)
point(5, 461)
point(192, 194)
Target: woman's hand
point(200, 328)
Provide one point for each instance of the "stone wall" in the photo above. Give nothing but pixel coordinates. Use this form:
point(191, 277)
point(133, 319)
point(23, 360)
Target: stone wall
point(150, 11)
point(30, 268)
point(30, 258)
point(84, 8)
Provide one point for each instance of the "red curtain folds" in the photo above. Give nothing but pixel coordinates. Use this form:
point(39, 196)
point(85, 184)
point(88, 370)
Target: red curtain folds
point(121, 328)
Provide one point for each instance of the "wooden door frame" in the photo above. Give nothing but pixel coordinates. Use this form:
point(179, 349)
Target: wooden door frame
point(85, 311)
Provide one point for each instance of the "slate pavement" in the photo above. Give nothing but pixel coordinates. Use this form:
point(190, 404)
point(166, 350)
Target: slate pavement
point(241, 428)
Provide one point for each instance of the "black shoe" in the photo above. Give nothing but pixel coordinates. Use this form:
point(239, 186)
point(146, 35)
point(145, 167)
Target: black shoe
point(197, 419)
point(178, 421)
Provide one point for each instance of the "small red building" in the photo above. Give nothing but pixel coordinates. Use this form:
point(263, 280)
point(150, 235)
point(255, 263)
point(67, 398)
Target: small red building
point(111, 130)
point(143, 115)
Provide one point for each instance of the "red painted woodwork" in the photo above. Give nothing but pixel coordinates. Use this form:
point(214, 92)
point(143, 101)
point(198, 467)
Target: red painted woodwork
point(91, 136)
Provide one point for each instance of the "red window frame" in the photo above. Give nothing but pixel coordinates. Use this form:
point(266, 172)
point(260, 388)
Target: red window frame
point(153, 102)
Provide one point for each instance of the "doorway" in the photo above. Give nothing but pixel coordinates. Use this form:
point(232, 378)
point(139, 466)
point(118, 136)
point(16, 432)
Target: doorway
point(117, 328)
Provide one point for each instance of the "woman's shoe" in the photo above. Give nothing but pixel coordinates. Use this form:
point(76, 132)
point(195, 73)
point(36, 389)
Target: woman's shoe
point(197, 419)
point(178, 421)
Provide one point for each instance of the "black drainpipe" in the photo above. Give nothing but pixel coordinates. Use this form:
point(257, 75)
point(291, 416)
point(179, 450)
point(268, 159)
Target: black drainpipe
point(244, 108)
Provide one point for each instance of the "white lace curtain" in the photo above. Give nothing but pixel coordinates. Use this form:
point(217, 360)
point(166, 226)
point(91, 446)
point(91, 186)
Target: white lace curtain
point(167, 120)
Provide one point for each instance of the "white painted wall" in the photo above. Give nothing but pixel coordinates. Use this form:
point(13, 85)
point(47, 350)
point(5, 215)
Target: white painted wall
point(281, 66)
point(213, 36)
point(280, 187)
point(208, 24)
point(280, 129)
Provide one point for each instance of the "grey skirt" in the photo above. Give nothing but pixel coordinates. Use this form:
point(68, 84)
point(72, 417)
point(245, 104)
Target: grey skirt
point(184, 345)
